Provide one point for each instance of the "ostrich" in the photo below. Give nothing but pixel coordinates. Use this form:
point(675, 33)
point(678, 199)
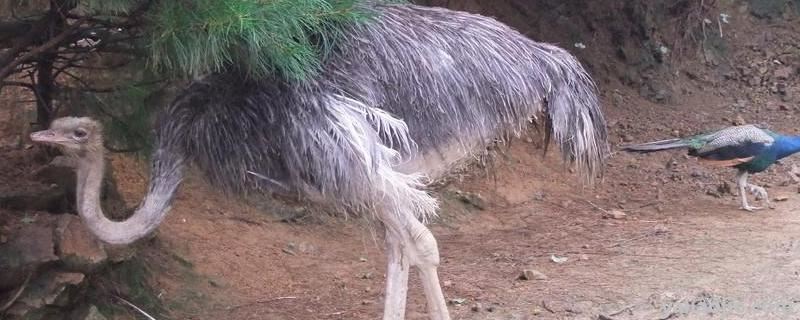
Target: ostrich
point(401, 99)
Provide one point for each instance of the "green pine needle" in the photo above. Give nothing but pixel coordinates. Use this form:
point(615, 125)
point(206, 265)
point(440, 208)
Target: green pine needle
point(290, 37)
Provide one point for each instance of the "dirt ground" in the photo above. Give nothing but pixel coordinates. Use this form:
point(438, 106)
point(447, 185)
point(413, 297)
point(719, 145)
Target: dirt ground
point(683, 251)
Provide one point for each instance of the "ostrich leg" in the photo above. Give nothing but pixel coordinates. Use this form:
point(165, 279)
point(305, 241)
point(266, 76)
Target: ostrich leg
point(396, 277)
point(427, 261)
point(410, 243)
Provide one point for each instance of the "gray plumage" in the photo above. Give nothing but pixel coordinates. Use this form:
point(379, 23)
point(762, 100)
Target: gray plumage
point(410, 84)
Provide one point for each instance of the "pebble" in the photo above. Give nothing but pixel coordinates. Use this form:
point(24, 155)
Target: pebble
point(627, 138)
point(477, 307)
point(531, 274)
point(615, 214)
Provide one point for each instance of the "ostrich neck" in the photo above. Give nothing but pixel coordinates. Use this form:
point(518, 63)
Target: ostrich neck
point(146, 218)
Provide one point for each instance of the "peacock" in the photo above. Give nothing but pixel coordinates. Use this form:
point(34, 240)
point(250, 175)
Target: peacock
point(748, 148)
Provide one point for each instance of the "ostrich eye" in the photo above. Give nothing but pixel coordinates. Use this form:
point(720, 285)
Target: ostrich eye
point(79, 133)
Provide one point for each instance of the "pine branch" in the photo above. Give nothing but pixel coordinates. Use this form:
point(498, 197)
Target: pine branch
point(288, 37)
point(50, 44)
point(16, 84)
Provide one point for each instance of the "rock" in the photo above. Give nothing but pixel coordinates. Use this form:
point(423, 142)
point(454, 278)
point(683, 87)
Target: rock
point(52, 289)
point(754, 81)
point(531, 274)
point(447, 283)
point(738, 121)
point(627, 138)
point(88, 313)
point(43, 198)
point(783, 73)
point(558, 260)
point(27, 249)
point(473, 199)
point(583, 257)
point(615, 214)
point(477, 307)
point(725, 188)
point(617, 99)
point(77, 247)
point(781, 198)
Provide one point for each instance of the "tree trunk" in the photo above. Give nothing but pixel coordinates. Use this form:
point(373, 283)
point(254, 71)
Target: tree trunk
point(45, 82)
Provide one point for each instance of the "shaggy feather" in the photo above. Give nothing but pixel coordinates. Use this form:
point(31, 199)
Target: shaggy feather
point(412, 83)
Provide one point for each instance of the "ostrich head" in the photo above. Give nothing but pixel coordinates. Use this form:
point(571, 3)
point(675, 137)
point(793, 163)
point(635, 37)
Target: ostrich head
point(75, 136)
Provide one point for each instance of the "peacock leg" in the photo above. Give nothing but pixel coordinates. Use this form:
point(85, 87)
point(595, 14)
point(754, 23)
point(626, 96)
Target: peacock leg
point(760, 193)
point(741, 181)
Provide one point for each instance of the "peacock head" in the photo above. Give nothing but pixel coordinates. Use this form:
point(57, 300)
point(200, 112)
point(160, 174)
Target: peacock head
point(75, 136)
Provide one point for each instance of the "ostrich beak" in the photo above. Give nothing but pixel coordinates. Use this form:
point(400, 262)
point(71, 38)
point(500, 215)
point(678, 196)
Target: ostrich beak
point(46, 136)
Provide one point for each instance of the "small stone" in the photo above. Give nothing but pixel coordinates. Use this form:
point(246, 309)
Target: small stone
point(738, 120)
point(477, 307)
point(366, 302)
point(783, 73)
point(781, 198)
point(78, 249)
point(457, 301)
point(754, 81)
point(615, 214)
point(531, 274)
point(536, 311)
point(291, 249)
point(583, 257)
point(362, 259)
point(366, 275)
point(627, 138)
point(725, 188)
point(473, 199)
point(559, 260)
point(447, 283)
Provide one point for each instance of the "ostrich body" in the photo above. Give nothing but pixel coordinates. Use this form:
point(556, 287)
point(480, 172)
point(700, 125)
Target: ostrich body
point(747, 148)
point(401, 99)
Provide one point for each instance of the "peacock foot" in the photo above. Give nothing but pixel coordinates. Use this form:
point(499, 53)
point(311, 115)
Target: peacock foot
point(759, 192)
point(750, 208)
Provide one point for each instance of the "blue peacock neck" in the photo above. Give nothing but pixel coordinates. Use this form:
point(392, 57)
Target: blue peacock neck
point(787, 145)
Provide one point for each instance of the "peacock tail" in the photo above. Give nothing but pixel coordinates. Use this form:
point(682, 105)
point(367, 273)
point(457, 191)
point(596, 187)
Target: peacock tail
point(746, 147)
